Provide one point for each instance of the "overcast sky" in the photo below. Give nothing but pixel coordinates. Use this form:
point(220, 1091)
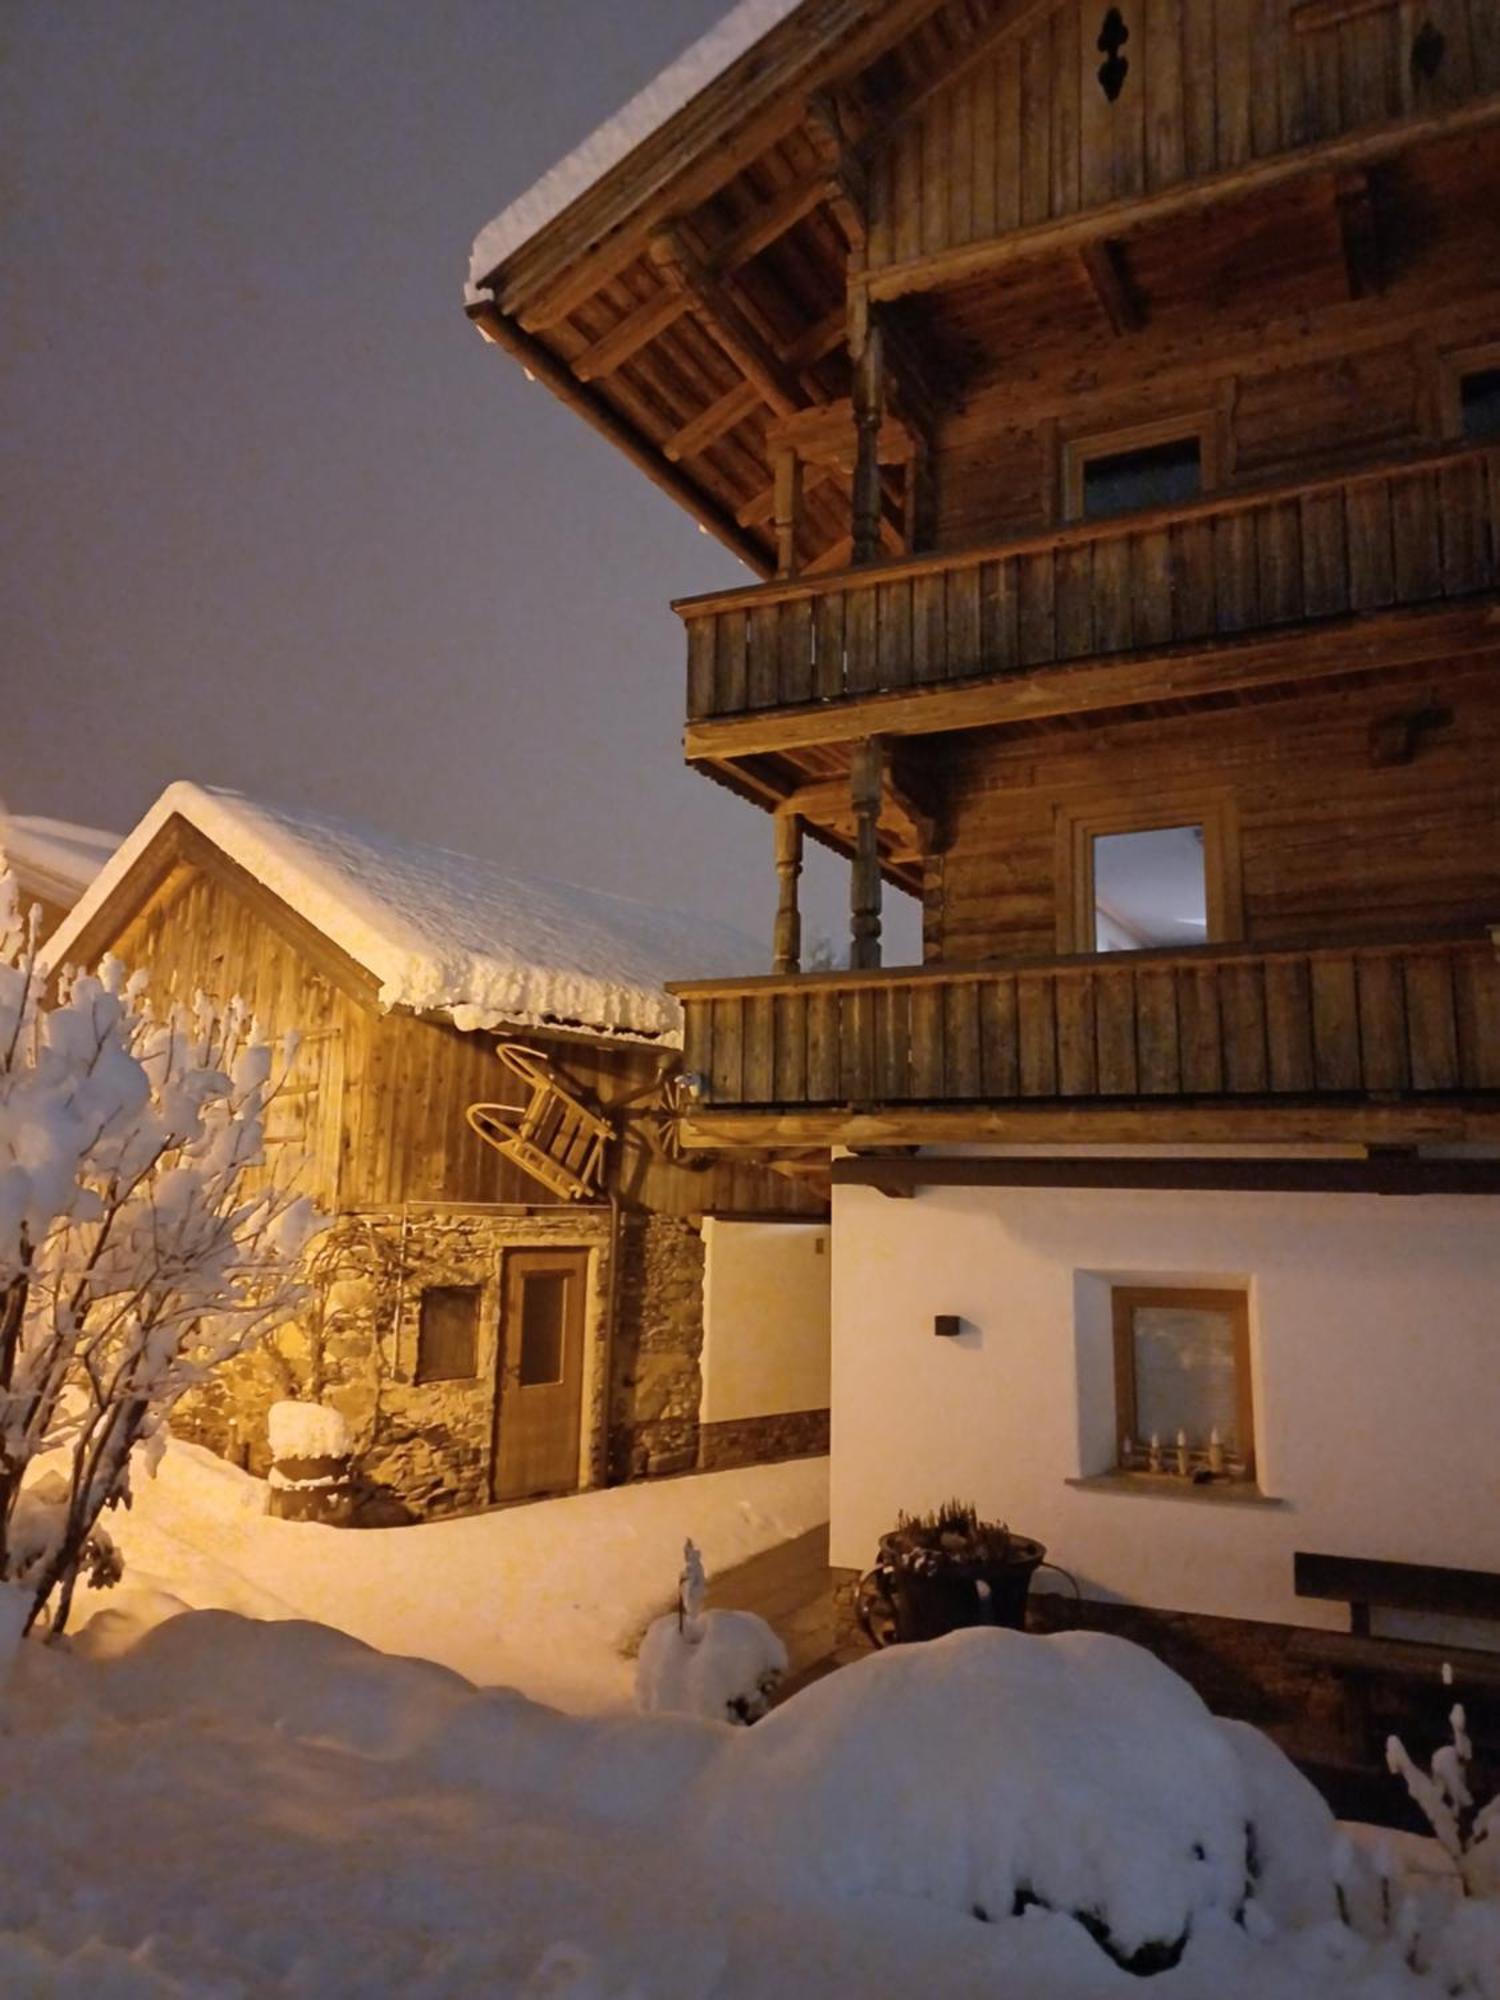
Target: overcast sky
point(274, 515)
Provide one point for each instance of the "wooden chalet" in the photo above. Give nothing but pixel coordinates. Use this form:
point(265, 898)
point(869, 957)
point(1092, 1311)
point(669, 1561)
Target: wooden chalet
point(512, 1298)
point(1107, 402)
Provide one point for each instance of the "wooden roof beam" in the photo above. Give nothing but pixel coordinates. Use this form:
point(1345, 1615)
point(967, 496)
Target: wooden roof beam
point(726, 321)
point(1355, 203)
point(541, 362)
point(1070, 233)
point(1104, 266)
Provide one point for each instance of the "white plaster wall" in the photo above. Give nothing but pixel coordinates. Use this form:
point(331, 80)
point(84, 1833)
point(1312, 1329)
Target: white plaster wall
point(1375, 1338)
point(766, 1312)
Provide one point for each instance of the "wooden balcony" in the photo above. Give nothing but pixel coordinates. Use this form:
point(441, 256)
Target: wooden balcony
point(1366, 1042)
point(1220, 574)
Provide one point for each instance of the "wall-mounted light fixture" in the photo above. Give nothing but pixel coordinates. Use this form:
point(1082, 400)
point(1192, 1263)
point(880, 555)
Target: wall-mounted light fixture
point(947, 1326)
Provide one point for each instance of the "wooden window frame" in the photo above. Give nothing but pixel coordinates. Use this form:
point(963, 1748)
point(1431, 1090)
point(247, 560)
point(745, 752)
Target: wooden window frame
point(1454, 365)
point(1207, 426)
point(1124, 1301)
point(420, 1378)
point(1079, 826)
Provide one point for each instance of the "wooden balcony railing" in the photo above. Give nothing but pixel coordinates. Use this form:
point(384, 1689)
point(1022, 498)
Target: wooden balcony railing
point(1415, 534)
point(1382, 1021)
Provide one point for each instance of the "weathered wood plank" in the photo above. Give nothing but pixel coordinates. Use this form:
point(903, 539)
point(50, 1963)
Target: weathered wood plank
point(1114, 1024)
point(999, 1056)
point(1036, 1028)
point(1037, 636)
point(828, 645)
point(1384, 1056)
point(1199, 1035)
point(791, 1048)
point(927, 1042)
point(1242, 1009)
point(1335, 1021)
point(1414, 530)
point(1431, 1021)
point(963, 1067)
point(823, 1047)
point(1289, 1024)
point(1077, 1067)
point(1156, 1033)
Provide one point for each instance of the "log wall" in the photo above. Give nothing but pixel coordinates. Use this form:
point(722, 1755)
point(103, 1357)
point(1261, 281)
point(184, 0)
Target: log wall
point(1029, 135)
point(1334, 840)
point(372, 1111)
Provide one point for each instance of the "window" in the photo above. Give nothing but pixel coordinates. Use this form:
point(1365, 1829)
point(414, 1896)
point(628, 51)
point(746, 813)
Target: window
point(1470, 394)
point(544, 1304)
point(1479, 404)
point(448, 1333)
point(1161, 871)
point(1182, 1382)
point(1150, 888)
point(1130, 471)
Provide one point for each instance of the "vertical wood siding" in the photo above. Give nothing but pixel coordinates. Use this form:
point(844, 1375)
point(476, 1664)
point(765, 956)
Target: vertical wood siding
point(1028, 135)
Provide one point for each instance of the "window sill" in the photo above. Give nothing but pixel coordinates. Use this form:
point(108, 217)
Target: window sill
point(1170, 1486)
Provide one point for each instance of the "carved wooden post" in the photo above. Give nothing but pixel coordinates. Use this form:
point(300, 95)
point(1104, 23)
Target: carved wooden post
point(869, 410)
point(866, 787)
point(788, 509)
point(788, 937)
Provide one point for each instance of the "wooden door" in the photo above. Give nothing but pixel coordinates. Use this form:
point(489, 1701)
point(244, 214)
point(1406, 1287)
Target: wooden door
point(539, 1399)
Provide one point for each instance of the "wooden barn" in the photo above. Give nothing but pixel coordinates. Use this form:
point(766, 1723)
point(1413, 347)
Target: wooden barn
point(1107, 401)
point(530, 1287)
point(52, 862)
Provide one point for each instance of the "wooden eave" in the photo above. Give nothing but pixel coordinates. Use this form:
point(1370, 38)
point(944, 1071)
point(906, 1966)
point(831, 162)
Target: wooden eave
point(177, 844)
point(699, 289)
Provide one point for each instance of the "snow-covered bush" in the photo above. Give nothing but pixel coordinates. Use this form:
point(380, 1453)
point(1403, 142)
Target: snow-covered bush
point(722, 1665)
point(135, 1254)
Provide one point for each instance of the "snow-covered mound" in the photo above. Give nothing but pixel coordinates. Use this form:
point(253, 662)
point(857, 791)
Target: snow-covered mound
point(722, 1665)
point(1074, 1772)
point(223, 1807)
point(449, 932)
point(550, 1598)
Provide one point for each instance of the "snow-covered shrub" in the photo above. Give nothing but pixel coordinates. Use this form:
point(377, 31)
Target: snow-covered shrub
point(135, 1255)
point(306, 1430)
point(993, 1773)
point(722, 1665)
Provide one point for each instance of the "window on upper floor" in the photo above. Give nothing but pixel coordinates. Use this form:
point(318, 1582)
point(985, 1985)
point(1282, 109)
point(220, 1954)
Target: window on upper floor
point(1150, 888)
point(1182, 1382)
point(1167, 464)
point(1155, 871)
point(1479, 404)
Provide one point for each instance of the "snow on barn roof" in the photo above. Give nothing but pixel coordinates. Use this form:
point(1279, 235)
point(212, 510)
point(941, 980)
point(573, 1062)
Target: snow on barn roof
point(53, 858)
point(707, 59)
point(449, 933)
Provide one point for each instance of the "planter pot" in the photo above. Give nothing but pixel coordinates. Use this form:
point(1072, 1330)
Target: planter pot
point(953, 1593)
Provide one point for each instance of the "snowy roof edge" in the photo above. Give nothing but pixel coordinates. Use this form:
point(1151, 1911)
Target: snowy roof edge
point(379, 937)
point(640, 119)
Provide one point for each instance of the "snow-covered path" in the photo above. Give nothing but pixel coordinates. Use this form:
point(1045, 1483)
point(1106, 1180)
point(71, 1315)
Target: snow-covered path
point(545, 1598)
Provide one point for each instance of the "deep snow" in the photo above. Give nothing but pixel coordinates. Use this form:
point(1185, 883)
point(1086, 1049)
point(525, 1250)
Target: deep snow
point(225, 1807)
point(550, 1598)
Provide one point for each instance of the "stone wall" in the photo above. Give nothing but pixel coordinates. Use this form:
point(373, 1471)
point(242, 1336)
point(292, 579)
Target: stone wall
point(762, 1440)
point(658, 1384)
point(426, 1448)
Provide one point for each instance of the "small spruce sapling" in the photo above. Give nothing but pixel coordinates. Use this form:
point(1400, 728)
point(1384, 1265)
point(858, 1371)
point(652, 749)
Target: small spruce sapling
point(139, 1247)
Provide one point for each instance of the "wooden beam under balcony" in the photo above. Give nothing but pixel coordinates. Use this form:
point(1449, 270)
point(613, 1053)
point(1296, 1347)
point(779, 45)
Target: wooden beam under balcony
point(1398, 1171)
point(1069, 234)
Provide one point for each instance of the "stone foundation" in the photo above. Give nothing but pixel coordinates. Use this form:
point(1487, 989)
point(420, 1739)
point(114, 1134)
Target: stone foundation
point(424, 1449)
point(763, 1440)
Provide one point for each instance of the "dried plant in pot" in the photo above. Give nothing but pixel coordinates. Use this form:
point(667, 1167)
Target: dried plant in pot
point(943, 1571)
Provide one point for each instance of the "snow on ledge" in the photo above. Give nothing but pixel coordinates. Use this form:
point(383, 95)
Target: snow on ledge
point(707, 59)
point(449, 933)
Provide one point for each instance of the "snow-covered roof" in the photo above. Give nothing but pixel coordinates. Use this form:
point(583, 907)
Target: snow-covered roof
point(702, 64)
point(450, 933)
point(53, 858)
